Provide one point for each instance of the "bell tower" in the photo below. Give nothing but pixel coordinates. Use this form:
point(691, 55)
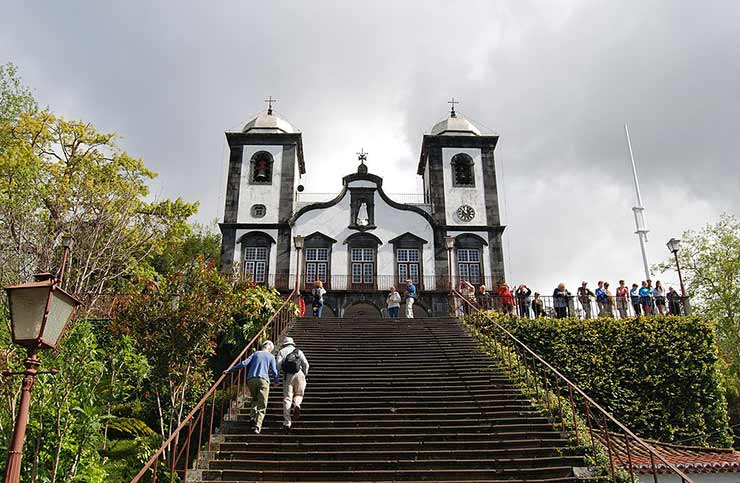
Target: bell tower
point(459, 172)
point(265, 165)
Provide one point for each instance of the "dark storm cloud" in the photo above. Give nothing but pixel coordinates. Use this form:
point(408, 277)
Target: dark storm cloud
point(556, 80)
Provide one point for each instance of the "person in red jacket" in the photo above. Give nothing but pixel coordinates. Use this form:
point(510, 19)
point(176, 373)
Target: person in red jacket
point(506, 298)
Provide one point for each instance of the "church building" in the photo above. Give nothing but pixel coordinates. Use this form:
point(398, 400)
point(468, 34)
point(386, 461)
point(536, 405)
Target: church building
point(361, 242)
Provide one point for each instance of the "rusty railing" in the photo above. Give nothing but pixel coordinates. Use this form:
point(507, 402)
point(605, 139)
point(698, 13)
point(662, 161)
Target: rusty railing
point(218, 405)
point(556, 391)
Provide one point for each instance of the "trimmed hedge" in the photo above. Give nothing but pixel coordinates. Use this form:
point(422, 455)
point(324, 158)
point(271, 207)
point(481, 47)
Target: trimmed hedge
point(658, 375)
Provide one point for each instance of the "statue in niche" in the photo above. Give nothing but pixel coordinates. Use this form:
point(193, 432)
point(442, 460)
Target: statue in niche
point(363, 219)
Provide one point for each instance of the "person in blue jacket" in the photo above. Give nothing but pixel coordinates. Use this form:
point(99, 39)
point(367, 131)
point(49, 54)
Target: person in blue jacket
point(259, 366)
point(646, 298)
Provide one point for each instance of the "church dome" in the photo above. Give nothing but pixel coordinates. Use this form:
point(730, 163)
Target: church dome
point(268, 122)
point(455, 125)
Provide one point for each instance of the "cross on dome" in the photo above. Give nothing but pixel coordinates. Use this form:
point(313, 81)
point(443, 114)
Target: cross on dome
point(453, 102)
point(269, 102)
point(362, 156)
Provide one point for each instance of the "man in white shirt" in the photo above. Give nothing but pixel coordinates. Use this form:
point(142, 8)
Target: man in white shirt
point(294, 364)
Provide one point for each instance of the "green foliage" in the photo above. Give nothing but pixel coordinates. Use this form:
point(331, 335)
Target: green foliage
point(710, 264)
point(659, 375)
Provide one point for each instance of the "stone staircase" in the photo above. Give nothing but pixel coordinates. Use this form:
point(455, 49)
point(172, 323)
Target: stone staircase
point(397, 401)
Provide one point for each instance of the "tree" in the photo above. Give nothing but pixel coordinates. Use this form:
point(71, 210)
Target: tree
point(710, 264)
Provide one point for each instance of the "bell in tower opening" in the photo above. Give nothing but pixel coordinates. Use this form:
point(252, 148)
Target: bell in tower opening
point(262, 168)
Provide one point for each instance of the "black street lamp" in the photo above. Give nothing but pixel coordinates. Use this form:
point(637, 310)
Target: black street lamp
point(674, 245)
point(39, 314)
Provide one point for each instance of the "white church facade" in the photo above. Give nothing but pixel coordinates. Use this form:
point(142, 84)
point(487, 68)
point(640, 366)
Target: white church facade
point(361, 242)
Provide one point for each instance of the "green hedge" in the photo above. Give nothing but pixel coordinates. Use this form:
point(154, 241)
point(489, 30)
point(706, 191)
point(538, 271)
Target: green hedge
point(659, 375)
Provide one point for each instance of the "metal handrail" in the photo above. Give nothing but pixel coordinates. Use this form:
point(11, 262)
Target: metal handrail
point(194, 421)
point(573, 388)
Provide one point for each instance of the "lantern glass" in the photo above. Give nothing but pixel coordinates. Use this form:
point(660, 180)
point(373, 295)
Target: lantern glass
point(673, 245)
point(60, 311)
point(27, 308)
point(298, 241)
point(450, 241)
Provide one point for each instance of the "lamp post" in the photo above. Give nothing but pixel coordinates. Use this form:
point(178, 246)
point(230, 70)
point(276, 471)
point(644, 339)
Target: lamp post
point(39, 314)
point(450, 243)
point(298, 241)
point(674, 245)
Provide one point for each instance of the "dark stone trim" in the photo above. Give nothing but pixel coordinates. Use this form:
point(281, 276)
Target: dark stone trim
point(490, 188)
point(431, 141)
point(283, 250)
point(251, 234)
point(463, 236)
point(228, 244)
point(319, 235)
point(236, 139)
point(353, 238)
point(287, 178)
point(252, 226)
point(497, 228)
point(318, 206)
point(407, 236)
point(233, 184)
point(363, 177)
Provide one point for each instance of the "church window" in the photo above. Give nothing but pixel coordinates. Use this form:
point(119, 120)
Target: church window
point(258, 211)
point(469, 265)
point(255, 263)
point(363, 266)
point(256, 256)
point(408, 263)
point(261, 168)
point(317, 265)
point(462, 171)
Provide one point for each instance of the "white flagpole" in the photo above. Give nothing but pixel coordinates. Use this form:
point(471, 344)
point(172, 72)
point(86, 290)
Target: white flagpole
point(639, 210)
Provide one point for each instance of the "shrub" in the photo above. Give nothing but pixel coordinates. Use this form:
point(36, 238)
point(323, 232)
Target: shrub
point(659, 375)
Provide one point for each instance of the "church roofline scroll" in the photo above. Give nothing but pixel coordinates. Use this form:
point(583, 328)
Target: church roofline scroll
point(361, 177)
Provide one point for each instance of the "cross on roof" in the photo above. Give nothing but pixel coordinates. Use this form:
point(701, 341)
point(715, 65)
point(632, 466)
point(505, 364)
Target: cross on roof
point(362, 156)
point(269, 102)
point(453, 102)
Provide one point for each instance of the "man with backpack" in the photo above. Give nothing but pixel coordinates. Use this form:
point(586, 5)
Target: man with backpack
point(294, 364)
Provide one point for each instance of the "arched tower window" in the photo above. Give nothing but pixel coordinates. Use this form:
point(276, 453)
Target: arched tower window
point(256, 256)
point(260, 171)
point(469, 255)
point(462, 171)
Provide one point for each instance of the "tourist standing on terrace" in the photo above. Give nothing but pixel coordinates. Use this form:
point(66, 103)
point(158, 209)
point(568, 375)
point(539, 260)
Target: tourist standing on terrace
point(646, 298)
point(601, 299)
point(484, 298)
point(538, 306)
point(635, 298)
point(584, 296)
point(523, 299)
point(506, 298)
point(394, 303)
point(294, 364)
point(609, 303)
point(259, 366)
point(410, 298)
point(318, 293)
point(622, 303)
point(560, 301)
point(659, 295)
point(674, 301)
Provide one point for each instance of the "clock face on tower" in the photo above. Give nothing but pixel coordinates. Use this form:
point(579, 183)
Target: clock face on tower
point(465, 213)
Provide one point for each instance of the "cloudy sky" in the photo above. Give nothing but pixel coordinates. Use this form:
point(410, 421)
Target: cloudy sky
point(556, 80)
